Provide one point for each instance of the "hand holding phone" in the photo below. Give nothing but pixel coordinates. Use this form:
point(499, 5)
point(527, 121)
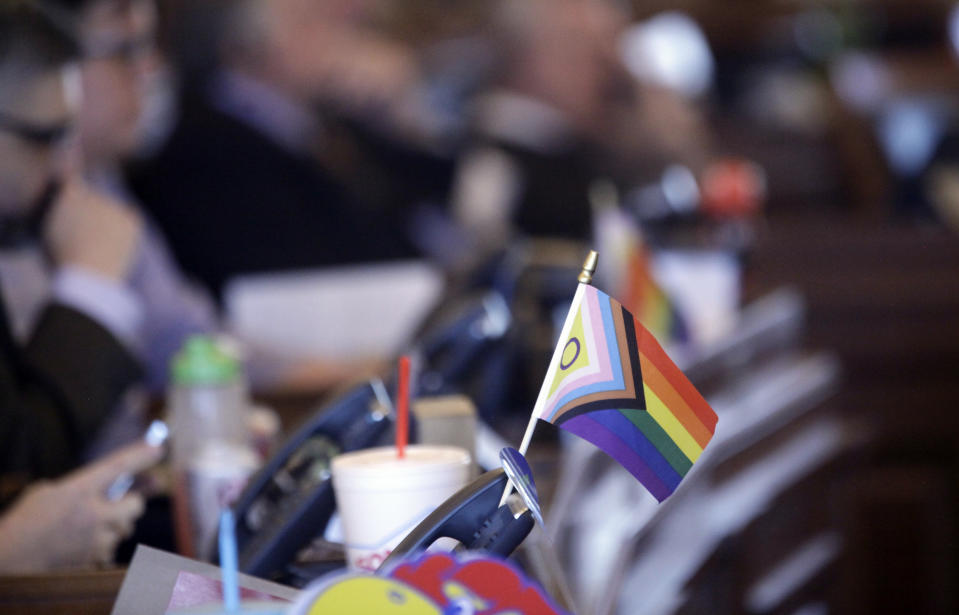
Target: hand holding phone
point(156, 435)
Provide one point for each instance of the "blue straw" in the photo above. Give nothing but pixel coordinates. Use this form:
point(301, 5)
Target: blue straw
point(228, 561)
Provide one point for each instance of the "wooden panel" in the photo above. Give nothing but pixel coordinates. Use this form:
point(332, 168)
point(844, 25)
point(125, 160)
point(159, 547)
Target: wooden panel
point(901, 528)
point(886, 299)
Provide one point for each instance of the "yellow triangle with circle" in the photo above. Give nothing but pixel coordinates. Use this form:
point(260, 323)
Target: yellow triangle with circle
point(574, 352)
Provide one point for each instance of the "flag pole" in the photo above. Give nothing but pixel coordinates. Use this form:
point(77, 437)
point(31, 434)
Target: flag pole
point(585, 277)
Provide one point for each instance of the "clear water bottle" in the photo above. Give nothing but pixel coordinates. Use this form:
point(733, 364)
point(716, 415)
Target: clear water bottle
point(211, 454)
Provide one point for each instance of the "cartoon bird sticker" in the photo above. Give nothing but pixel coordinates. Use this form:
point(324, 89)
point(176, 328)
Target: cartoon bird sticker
point(431, 584)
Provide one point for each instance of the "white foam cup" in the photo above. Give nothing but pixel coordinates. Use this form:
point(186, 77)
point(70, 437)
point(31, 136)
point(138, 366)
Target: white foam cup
point(381, 497)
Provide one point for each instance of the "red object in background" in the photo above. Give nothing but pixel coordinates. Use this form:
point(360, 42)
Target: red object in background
point(733, 188)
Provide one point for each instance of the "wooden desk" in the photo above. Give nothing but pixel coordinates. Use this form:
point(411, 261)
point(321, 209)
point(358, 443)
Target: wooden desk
point(69, 593)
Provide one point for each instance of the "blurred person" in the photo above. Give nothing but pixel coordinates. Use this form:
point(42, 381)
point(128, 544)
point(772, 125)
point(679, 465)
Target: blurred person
point(117, 40)
point(71, 522)
point(251, 180)
point(537, 129)
point(655, 128)
point(120, 63)
point(671, 68)
point(562, 111)
point(61, 379)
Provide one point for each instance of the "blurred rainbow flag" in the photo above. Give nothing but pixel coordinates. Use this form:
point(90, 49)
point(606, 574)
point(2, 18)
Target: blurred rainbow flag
point(611, 383)
point(628, 276)
point(653, 308)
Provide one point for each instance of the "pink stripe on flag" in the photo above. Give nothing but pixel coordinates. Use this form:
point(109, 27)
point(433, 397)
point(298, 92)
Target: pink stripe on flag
point(600, 347)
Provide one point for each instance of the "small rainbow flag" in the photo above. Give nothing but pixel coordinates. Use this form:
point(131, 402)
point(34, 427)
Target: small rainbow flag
point(629, 276)
point(611, 383)
point(647, 299)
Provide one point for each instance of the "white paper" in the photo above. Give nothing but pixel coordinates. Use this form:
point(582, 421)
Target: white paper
point(353, 312)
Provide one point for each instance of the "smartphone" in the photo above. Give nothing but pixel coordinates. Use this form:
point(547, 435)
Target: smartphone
point(156, 435)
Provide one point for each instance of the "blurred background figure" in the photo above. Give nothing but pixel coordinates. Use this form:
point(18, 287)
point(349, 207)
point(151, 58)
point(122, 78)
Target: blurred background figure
point(564, 108)
point(68, 344)
point(250, 166)
point(536, 128)
point(119, 69)
point(127, 89)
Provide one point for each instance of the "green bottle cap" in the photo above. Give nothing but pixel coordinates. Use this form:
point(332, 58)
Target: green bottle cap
point(202, 362)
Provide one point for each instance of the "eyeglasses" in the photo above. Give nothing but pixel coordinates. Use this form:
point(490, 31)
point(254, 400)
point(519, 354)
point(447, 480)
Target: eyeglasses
point(45, 135)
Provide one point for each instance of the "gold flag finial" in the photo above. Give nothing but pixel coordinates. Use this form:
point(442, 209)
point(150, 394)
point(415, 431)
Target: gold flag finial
point(589, 267)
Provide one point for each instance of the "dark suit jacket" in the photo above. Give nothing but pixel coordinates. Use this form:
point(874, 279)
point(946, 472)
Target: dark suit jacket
point(230, 200)
point(56, 391)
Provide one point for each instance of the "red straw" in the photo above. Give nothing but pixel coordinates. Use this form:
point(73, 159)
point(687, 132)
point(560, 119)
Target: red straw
point(403, 407)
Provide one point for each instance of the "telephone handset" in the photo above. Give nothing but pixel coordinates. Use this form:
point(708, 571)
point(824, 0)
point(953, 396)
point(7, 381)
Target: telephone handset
point(290, 500)
point(472, 516)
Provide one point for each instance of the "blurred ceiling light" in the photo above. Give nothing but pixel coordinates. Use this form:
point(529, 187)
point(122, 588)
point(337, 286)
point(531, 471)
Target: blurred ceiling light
point(669, 50)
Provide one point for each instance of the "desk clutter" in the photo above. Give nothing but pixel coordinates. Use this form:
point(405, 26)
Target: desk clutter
point(341, 512)
point(295, 317)
point(653, 533)
point(606, 532)
point(428, 584)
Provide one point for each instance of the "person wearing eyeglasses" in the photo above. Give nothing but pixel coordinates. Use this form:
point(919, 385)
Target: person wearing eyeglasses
point(119, 68)
point(66, 365)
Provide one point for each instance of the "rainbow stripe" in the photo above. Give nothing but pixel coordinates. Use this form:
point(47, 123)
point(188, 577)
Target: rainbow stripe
point(611, 383)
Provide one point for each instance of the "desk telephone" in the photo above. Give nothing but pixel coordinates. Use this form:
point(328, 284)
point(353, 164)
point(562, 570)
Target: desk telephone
point(290, 501)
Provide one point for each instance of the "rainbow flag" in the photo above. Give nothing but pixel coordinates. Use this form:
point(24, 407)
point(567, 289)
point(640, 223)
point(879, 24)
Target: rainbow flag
point(629, 277)
point(649, 302)
point(611, 383)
